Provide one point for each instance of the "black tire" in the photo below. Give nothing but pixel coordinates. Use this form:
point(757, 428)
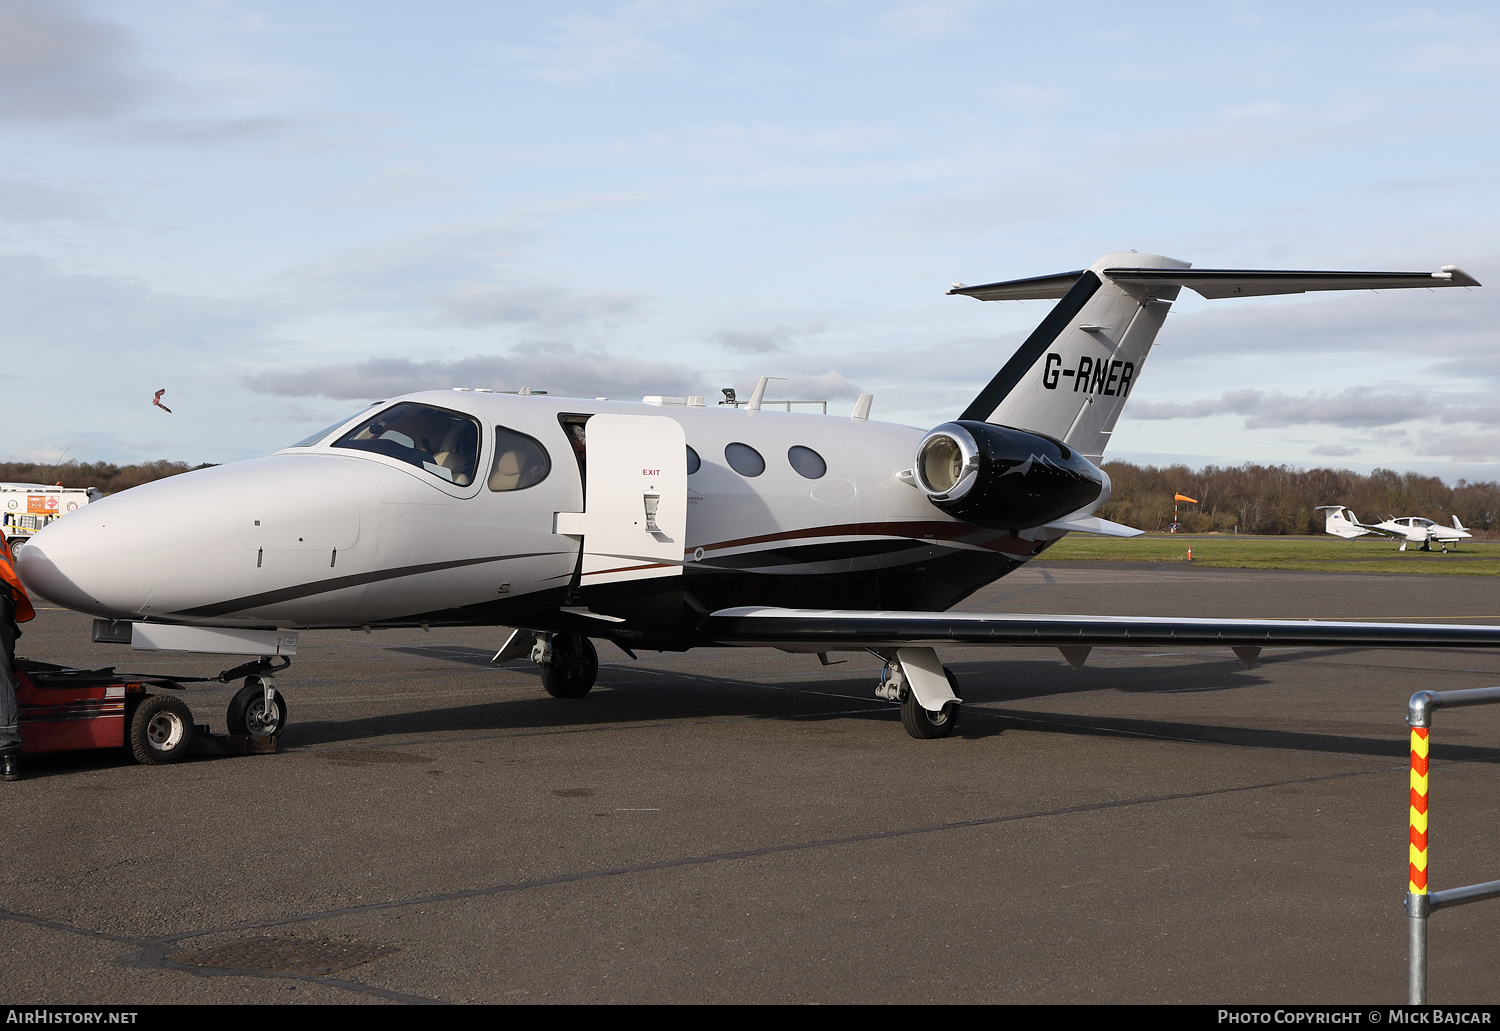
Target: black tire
point(924, 724)
point(247, 711)
point(573, 669)
point(161, 729)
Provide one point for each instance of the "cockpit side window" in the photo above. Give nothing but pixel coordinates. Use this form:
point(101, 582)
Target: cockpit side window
point(520, 461)
point(444, 443)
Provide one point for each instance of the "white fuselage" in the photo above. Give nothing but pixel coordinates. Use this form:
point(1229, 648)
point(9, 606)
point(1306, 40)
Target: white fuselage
point(1417, 530)
point(328, 536)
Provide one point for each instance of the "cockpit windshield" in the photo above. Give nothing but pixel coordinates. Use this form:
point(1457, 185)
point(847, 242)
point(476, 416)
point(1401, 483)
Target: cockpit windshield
point(309, 441)
point(444, 443)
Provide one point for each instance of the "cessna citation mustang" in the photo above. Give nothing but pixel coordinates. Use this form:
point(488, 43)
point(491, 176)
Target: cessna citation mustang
point(669, 525)
point(1342, 522)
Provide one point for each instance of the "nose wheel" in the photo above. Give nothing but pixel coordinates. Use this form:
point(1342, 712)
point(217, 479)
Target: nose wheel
point(257, 709)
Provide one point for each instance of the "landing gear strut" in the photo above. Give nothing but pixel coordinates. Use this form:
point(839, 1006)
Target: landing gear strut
point(569, 664)
point(911, 678)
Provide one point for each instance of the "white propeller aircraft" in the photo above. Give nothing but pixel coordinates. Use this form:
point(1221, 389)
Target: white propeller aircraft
point(668, 524)
point(1342, 522)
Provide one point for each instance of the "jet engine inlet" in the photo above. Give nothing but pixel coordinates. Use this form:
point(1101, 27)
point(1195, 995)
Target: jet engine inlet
point(1004, 478)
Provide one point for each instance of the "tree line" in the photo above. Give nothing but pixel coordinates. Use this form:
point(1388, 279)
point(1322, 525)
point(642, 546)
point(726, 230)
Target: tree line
point(1279, 499)
point(1262, 499)
point(107, 476)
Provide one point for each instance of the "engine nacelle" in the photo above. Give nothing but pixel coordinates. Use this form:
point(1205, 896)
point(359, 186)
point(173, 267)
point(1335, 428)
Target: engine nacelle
point(1004, 478)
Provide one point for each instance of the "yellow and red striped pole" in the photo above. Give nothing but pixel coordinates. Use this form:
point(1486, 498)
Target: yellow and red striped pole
point(1418, 855)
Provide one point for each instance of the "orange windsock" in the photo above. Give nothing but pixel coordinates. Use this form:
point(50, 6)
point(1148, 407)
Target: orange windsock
point(1184, 497)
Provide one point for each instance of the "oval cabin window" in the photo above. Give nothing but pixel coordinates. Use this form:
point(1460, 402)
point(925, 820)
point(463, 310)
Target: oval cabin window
point(807, 462)
point(744, 459)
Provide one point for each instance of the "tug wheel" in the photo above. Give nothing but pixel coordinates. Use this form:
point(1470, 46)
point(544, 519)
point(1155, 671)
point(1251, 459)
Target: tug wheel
point(248, 714)
point(160, 730)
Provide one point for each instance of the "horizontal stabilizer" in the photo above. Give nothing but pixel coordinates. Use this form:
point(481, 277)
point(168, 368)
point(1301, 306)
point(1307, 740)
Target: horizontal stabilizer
point(1219, 282)
point(1037, 288)
point(1093, 524)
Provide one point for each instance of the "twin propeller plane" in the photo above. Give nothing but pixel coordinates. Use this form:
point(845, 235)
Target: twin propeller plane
point(669, 524)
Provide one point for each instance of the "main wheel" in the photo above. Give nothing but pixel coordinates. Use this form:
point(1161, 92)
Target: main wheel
point(248, 714)
point(573, 669)
point(924, 723)
point(160, 730)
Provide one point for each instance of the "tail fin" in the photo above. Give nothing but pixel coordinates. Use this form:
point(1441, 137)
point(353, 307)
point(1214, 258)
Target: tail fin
point(1341, 522)
point(1072, 376)
point(1458, 525)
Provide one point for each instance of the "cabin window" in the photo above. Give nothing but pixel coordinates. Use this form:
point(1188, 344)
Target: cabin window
point(744, 459)
point(694, 463)
point(520, 461)
point(807, 462)
point(444, 443)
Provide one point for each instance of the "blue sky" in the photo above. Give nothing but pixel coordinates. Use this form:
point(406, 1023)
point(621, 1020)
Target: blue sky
point(280, 211)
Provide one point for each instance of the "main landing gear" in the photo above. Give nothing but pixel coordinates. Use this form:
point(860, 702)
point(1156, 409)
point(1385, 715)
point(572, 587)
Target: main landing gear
point(926, 689)
point(569, 664)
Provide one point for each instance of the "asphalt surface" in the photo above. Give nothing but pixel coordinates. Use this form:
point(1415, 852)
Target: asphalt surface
point(746, 826)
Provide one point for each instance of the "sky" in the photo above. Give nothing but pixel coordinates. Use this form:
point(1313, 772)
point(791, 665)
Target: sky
point(282, 211)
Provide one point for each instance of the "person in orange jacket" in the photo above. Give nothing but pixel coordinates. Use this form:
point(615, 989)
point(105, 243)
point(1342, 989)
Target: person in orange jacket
point(15, 608)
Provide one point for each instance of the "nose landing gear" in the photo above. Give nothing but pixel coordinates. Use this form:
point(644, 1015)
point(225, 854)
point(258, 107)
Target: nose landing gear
point(257, 709)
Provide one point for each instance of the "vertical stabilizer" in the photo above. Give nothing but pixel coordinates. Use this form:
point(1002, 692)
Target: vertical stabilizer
point(1073, 375)
point(1341, 522)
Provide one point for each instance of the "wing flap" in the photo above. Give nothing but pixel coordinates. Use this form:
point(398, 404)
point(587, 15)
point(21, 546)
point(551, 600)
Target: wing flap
point(797, 629)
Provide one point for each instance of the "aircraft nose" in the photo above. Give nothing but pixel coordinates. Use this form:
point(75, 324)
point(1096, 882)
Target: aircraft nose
point(100, 559)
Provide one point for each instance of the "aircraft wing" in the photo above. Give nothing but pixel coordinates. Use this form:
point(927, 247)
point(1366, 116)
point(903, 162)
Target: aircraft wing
point(823, 629)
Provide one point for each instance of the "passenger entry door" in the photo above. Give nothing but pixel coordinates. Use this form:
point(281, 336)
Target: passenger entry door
point(634, 520)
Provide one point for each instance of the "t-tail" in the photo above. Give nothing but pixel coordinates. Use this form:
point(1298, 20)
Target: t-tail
point(1071, 378)
point(1341, 522)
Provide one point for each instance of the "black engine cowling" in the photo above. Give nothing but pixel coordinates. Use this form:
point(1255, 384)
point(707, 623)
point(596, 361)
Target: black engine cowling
point(1004, 478)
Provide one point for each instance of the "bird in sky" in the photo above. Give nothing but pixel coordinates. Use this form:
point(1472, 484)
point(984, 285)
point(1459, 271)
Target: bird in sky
point(157, 401)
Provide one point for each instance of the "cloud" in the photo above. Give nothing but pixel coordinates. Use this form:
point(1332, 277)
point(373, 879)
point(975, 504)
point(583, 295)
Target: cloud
point(197, 131)
point(545, 306)
point(908, 25)
point(81, 318)
point(1263, 410)
point(1336, 450)
point(404, 186)
point(584, 48)
point(57, 64)
point(1356, 408)
point(413, 268)
point(31, 202)
point(1460, 447)
point(589, 374)
point(764, 341)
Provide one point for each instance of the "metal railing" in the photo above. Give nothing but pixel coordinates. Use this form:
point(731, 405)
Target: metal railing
point(1419, 901)
point(767, 404)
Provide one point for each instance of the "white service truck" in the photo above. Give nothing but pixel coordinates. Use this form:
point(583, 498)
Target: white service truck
point(27, 507)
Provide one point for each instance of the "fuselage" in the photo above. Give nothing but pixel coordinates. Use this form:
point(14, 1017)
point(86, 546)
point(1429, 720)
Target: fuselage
point(1417, 529)
point(372, 525)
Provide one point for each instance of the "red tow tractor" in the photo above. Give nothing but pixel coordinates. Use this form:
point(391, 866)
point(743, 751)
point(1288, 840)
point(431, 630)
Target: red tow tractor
point(65, 709)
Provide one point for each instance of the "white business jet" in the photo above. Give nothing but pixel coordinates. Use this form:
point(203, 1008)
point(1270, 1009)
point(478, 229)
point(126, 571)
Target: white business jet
point(1342, 522)
point(668, 524)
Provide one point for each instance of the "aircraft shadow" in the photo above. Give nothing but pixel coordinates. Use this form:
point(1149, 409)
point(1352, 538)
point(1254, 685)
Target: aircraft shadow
point(1102, 726)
